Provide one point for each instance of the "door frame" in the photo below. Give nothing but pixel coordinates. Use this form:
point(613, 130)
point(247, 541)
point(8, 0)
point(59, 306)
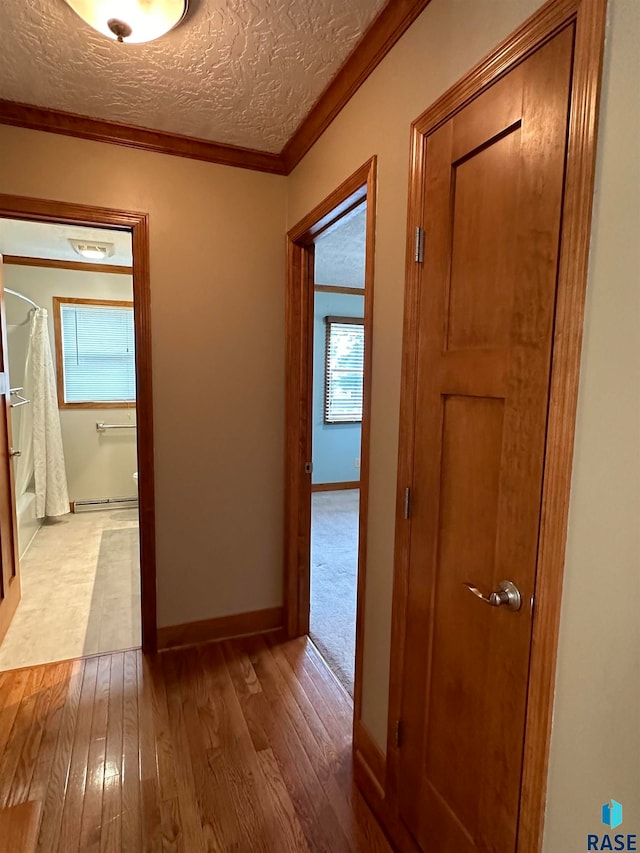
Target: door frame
point(589, 18)
point(12, 591)
point(63, 213)
point(357, 187)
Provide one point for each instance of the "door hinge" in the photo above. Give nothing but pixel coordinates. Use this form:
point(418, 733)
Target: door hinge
point(308, 467)
point(398, 734)
point(407, 503)
point(419, 256)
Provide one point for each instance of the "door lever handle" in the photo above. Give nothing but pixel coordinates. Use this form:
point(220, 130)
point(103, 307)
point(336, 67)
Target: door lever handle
point(507, 594)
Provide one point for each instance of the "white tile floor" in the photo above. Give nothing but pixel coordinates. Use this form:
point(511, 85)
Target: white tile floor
point(80, 590)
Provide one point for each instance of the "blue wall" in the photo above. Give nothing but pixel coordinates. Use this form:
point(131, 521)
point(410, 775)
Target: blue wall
point(335, 446)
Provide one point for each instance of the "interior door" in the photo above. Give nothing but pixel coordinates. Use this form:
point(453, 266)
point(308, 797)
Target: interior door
point(492, 201)
point(9, 574)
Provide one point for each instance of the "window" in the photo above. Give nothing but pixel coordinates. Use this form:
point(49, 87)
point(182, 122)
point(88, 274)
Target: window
point(95, 353)
point(344, 368)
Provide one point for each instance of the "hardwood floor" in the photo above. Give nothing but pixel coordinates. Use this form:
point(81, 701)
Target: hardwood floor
point(237, 746)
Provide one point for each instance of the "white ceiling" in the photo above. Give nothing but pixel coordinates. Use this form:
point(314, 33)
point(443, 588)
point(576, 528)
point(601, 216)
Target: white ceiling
point(340, 251)
point(44, 240)
point(243, 72)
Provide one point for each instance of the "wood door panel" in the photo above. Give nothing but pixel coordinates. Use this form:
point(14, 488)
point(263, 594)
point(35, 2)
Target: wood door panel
point(484, 376)
point(478, 244)
point(9, 577)
point(471, 448)
point(489, 116)
point(492, 211)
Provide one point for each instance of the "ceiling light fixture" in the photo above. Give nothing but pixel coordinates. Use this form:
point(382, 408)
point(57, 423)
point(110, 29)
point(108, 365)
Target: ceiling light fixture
point(136, 21)
point(93, 251)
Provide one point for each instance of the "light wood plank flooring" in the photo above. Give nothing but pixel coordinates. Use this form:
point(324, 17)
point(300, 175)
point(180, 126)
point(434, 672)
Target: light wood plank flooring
point(237, 746)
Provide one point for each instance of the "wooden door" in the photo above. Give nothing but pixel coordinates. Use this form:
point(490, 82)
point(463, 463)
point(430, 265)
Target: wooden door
point(491, 208)
point(9, 574)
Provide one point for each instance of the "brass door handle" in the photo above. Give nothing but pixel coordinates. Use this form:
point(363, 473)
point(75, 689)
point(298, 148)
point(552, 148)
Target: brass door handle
point(507, 594)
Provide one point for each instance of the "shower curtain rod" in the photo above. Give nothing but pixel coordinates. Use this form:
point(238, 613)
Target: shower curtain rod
point(20, 296)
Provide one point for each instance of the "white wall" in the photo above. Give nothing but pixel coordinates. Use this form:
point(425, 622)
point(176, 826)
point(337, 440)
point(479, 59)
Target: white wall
point(99, 465)
point(340, 251)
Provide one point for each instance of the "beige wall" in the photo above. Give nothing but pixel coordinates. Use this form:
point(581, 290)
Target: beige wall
point(217, 303)
point(217, 270)
point(446, 40)
point(99, 465)
point(595, 746)
point(596, 742)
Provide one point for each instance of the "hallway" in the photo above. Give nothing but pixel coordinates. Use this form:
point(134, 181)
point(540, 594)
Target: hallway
point(240, 746)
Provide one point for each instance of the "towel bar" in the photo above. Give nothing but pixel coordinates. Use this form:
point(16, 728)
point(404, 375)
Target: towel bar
point(100, 427)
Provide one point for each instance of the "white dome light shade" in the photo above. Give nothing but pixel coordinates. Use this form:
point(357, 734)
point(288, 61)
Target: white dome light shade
point(133, 21)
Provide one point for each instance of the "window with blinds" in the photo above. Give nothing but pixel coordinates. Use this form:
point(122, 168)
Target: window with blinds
point(344, 369)
point(95, 345)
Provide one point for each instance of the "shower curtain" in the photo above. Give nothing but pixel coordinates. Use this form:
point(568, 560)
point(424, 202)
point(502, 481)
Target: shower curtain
point(40, 434)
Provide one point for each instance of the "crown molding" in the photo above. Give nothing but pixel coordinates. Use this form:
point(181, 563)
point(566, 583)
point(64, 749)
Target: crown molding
point(162, 142)
point(385, 30)
point(388, 26)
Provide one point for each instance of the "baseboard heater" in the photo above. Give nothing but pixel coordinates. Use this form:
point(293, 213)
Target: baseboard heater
point(104, 503)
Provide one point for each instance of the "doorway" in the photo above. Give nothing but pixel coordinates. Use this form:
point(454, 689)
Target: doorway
point(329, 319)
point(77, 477)
point(338, 378)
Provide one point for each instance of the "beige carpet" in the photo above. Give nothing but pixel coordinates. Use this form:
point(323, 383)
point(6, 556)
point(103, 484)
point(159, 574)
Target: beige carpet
point(334, 575)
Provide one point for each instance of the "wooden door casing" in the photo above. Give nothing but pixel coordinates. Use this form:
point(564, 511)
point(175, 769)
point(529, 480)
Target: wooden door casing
point(9, 557)
point(44, 210)
point(350, 194)
point(492, 204)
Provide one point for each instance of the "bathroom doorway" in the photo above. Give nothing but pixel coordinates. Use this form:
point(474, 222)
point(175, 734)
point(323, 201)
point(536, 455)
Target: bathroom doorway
point(74, 358)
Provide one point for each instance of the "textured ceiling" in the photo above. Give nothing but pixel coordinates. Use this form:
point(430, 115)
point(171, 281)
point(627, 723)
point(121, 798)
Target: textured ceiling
point(242, 72)
point(44, 240)
point(340, 251)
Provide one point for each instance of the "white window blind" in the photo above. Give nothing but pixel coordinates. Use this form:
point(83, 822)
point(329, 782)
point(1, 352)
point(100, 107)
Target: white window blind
point(98, 353)
point(344, 367)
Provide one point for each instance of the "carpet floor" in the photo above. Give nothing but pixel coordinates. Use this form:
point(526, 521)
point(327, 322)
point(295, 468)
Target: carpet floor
point(334, 574)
